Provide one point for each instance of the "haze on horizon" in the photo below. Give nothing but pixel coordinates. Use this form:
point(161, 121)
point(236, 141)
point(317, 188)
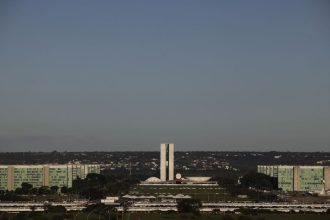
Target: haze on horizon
point(127, 75)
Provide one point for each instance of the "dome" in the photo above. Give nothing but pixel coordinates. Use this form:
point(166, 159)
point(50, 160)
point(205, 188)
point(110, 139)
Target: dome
point(153, 179)
point(198, 179)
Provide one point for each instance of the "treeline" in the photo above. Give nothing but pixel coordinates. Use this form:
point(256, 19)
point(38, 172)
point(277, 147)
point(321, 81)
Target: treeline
point(141, 161)
point(27, 188)
point(94, 186)
point(256, 186)
point(22, 193)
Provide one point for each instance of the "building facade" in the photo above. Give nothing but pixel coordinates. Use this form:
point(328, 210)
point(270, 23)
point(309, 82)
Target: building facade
point(12, 176)
point(166, 162)
point(299, 178)
point(3, 177)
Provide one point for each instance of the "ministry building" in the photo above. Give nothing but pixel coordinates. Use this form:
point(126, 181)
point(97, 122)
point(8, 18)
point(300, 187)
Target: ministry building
point(12, 176)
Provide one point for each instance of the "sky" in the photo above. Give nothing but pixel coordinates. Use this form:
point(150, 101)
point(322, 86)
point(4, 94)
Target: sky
point(128, 75)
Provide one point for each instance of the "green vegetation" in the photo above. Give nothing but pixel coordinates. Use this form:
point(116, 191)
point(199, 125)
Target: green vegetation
point(256, 186)
point(97, 186)
point(258, 181)
point(189, 206)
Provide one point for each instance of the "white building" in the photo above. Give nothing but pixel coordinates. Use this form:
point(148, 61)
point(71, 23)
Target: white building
point(166, 161)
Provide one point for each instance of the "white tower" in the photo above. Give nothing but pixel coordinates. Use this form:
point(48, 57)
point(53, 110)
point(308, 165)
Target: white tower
point(166, 162)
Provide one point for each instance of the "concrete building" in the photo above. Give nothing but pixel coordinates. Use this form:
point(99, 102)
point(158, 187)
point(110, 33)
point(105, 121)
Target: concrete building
point(3, 177)
point(166, 162)
point(12, 176)
point(28, 174)
point(299, 178)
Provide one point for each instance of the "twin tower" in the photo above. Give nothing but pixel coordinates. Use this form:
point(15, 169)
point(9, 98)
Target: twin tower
point(166, 162)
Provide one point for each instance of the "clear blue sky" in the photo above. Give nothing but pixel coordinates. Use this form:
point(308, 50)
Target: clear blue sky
point(127, 75)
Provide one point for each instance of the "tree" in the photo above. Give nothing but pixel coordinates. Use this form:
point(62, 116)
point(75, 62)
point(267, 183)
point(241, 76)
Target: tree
point(18, 190)
point(96, 178)
point(64, 189)
point(189, 205)
point(54, 189)
point(44, 190)
point(34, 190)
point(258, 181)
point(26, 187)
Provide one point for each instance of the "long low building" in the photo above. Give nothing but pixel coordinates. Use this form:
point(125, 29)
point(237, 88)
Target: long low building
point(228, 206)
point(12, 176)
point(299, 178)
point(14, 207)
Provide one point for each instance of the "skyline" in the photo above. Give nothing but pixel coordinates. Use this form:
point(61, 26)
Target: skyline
point(111, 76)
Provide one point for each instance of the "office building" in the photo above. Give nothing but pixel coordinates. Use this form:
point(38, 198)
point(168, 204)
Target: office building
point(25, 174)
point(299, 178)
point(3, 177)
point(166, 162)
point(12, 176)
